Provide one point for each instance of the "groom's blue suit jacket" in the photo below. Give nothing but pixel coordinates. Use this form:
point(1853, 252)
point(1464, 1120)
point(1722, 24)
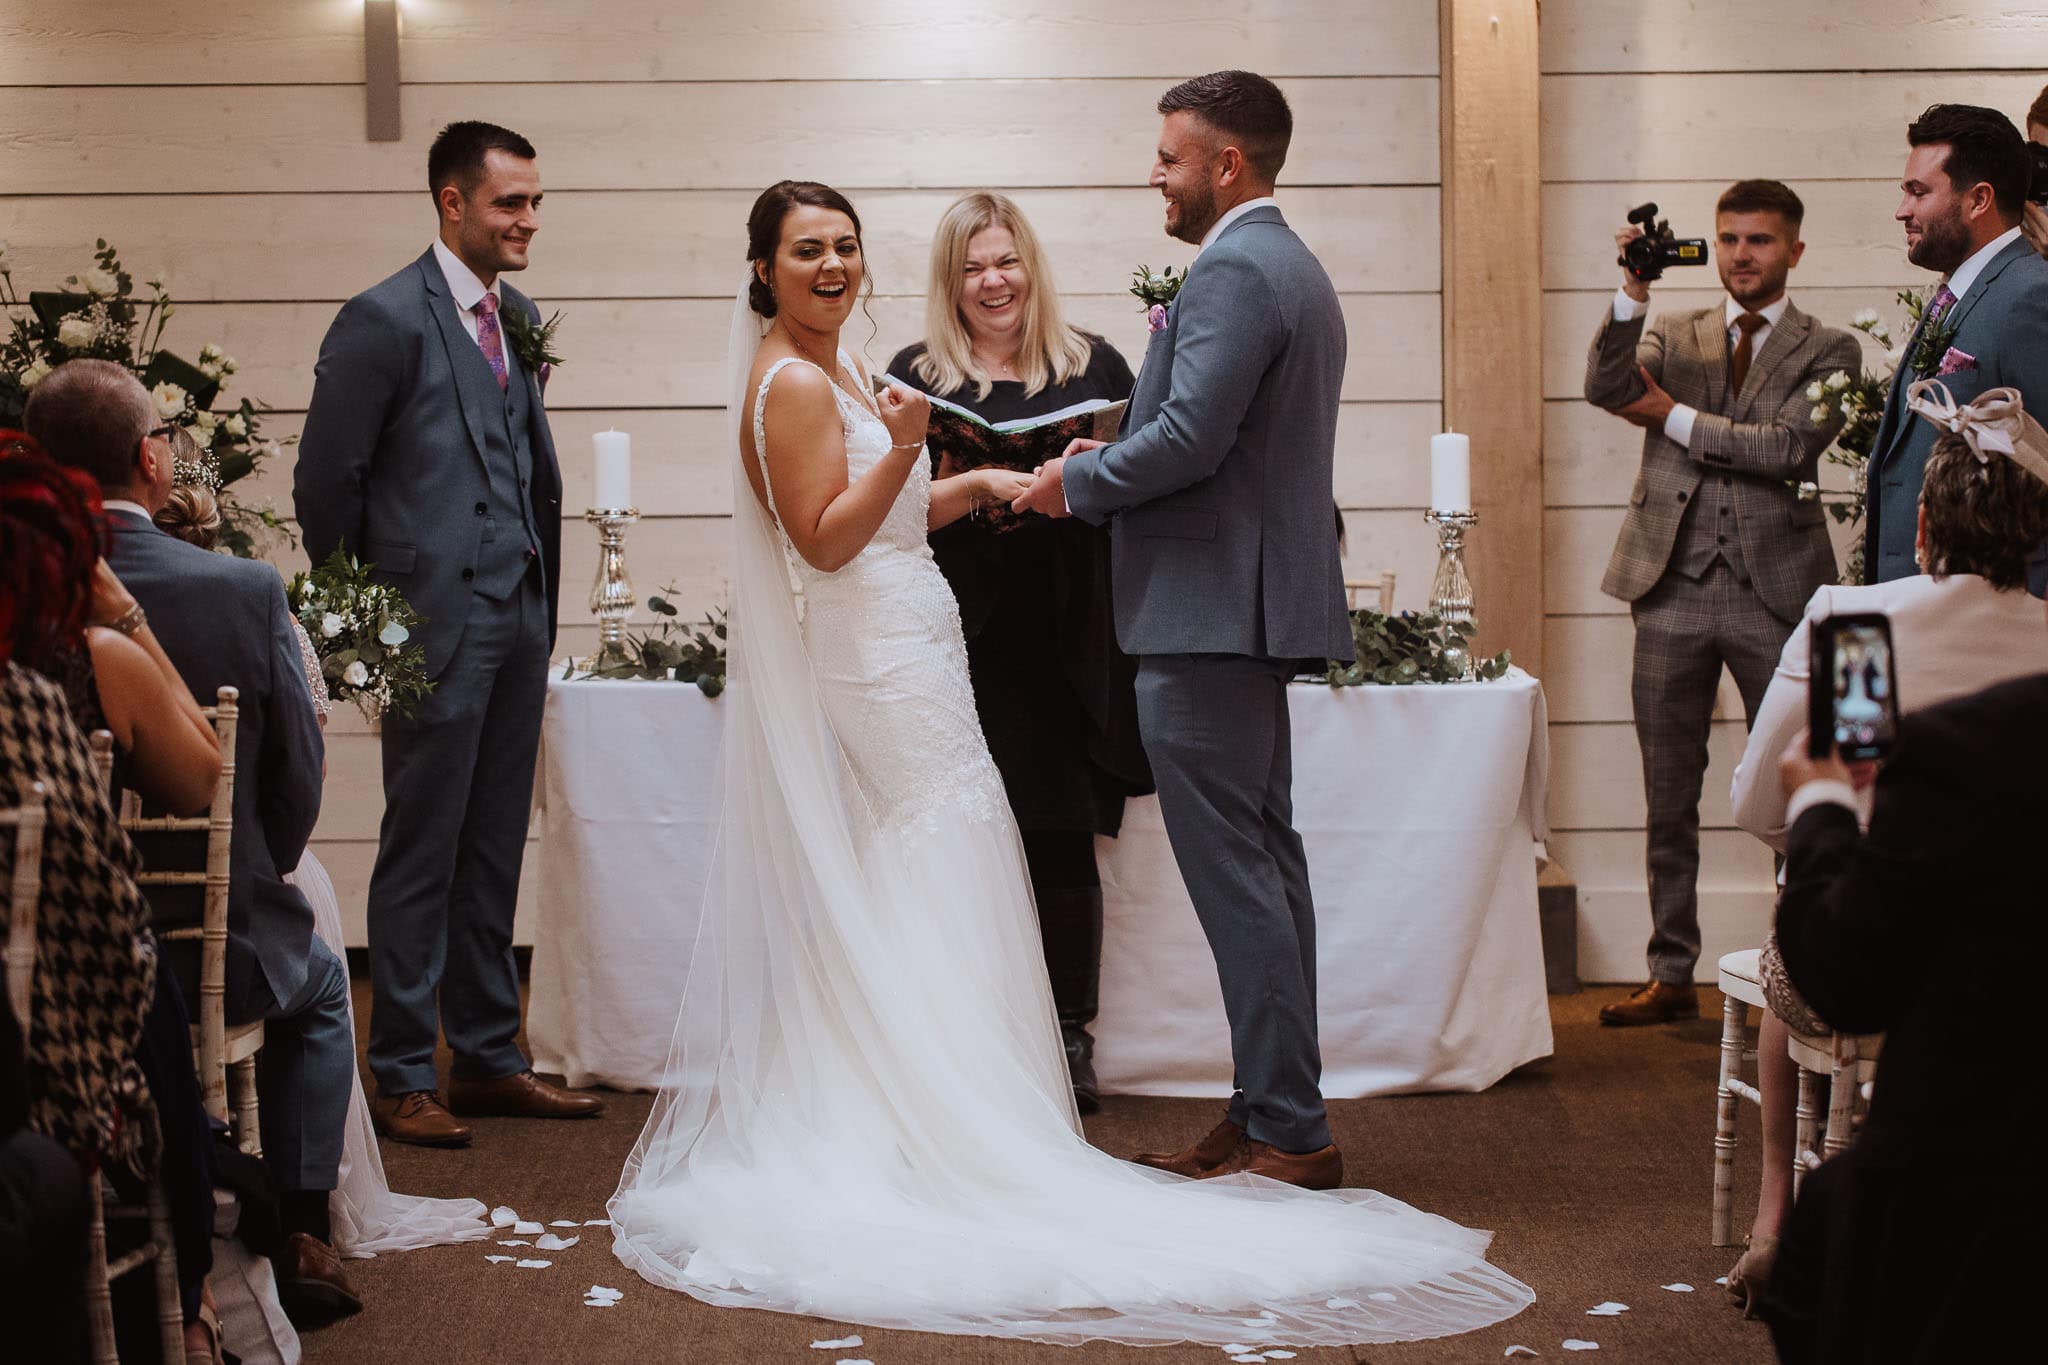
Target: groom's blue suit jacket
point(1218, 492)
point(392, 465)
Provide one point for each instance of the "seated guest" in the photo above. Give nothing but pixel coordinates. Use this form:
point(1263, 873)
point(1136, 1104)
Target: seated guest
point(1963, 623)
point(1927, 930)
point(58, 597)
point(1056, 697)
point(223, 622)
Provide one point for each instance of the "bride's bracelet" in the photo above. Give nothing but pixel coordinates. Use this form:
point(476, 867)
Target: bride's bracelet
point(913, 445)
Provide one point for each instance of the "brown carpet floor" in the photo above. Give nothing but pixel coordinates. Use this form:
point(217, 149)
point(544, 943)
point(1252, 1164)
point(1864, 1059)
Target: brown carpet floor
point(1592, 1167)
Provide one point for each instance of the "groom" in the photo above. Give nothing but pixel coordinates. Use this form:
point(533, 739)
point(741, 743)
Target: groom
point(1224, 557)
point(426, 453)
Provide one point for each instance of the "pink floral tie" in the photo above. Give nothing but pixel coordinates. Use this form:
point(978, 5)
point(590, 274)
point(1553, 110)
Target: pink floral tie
point(1943, 301)
point(490, 337)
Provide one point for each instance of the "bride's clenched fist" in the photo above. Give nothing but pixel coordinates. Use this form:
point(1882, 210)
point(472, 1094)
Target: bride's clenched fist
point(906, 413)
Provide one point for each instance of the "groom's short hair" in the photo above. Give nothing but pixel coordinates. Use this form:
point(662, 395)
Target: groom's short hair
point(457, 156)
point(1246, 108)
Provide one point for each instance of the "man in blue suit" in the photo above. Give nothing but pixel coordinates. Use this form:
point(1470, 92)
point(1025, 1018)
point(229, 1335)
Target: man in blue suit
point(1964, 191)
point(223, 622)
point(1227, 583)
point(427, 454)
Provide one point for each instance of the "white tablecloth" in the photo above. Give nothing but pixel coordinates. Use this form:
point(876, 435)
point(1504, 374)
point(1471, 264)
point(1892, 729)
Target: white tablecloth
point(1422, 810)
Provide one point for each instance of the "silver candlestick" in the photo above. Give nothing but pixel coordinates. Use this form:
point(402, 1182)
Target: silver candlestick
point(1450, 595)
point(611, 596)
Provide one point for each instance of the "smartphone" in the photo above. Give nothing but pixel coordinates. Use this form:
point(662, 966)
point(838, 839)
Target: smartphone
point(1853, 695)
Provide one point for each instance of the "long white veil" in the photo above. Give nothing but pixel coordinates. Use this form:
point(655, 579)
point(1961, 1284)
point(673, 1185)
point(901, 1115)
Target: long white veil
point(865, 1113)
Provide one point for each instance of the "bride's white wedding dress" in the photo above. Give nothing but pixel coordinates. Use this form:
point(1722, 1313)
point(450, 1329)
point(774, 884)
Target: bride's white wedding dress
point(867, 1115)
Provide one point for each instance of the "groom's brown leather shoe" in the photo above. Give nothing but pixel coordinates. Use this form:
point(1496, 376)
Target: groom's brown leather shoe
point(1317, 1170)
point(1660, 1002)
point(418, 1117)
point(521, 1095)
point(1198, 1160)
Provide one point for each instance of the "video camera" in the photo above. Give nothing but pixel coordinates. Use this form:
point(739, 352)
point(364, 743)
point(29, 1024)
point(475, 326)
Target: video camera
point(2037, 183)
point(1648, 256)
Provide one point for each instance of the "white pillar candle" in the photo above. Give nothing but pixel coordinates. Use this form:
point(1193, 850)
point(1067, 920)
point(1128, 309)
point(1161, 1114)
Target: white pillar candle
point(1450, 472)
point(613, 490)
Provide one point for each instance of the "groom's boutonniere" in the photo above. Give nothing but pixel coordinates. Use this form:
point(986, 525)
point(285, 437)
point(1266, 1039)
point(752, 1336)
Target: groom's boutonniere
point(1157, 293)
point(1932, 347)
point(533, 343)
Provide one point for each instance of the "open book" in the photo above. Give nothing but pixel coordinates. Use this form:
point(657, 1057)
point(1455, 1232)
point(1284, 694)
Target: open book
point(957, 435)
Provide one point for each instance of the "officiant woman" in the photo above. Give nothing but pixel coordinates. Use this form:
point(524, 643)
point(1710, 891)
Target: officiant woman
point(1054, 693)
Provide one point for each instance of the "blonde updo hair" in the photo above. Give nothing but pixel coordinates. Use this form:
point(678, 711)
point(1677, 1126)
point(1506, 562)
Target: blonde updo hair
point(192, 514)
point(1982, 518)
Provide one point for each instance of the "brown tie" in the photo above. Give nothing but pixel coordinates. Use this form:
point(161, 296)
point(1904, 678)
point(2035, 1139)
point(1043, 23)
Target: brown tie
point(1745, 349)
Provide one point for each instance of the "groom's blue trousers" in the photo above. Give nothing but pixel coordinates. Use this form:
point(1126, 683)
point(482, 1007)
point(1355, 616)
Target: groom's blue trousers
point(458, 784)
point(1215, 727)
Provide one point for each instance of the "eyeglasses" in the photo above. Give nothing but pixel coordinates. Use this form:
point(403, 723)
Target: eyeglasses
point(158, 433)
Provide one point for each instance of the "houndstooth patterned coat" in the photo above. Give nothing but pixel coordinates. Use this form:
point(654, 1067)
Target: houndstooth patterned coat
point(95, 957)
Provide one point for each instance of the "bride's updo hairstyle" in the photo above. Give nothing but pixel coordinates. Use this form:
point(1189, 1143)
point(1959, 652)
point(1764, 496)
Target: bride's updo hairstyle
point(764, 231)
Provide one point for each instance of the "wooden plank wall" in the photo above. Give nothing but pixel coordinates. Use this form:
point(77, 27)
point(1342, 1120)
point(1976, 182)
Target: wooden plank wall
point(1671, 102)
point(222, 144)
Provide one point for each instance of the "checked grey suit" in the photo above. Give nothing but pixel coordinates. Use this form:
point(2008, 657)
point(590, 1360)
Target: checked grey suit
point(1226, 578)
point(2002, 321)
point(1716, 558)
point(415, 459)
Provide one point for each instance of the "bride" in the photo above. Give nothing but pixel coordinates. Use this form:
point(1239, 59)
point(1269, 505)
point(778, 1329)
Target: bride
point(866, 1115)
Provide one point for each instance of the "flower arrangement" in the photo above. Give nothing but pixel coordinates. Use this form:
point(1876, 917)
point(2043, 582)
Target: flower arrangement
point(1858, 401)
point(99, 315)
point(1157, 293)
point(671, 650)
point(1411, 647)
point(361, 629)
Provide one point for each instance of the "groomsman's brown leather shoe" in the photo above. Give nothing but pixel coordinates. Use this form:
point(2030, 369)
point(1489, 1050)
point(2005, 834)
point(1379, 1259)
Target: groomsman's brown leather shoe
point(522, 1095)
point(311, 1285)
point(1211, 1152)
point(1318, 1170)
point(418, 1117)
point(1660, 1002)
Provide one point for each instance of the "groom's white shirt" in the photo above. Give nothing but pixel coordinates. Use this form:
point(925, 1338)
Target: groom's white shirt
point(1216, 228)
point(463, 286)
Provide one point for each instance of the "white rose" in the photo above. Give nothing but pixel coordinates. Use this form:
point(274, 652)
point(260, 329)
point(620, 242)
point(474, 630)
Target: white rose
point(1819, 414)
point(210, 370)
point(1838, 381)
point(355, 675)
point(98, 283)
point(205, 421)
point(170, 399)
point(331, 625)
point(227, 364)
point(1814, 392)
point(34, 374)
point(1865, 318)
point(75, 332)
point(236, 427)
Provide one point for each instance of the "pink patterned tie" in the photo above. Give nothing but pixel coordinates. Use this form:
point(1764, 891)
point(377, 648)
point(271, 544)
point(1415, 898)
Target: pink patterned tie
point(1943, 301)
point(490, 337)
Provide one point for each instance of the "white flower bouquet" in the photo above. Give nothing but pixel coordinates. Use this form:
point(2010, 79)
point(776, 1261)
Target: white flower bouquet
point(99, 314)
point(362, 631)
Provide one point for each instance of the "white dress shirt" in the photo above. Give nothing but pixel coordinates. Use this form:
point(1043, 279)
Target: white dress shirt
point(123, 505)
point(463, 285)
point(1965, 275)
point(1678, 422)
point(1216, 228)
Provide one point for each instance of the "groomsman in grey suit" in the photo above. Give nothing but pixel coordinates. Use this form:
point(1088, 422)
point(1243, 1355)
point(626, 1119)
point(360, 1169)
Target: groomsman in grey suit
point(1227, 584)
point(427, 454)
point(223, 622)
point(1964, 190)
point(1720, 549)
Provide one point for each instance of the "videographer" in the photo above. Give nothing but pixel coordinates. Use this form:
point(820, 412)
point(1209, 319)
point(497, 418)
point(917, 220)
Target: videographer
point(1718, 553)
point(2034, 217)
point(1926, 929)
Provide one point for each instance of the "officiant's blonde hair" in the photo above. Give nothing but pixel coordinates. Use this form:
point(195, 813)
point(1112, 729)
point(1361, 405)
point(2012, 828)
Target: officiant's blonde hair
point(1050, 351)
